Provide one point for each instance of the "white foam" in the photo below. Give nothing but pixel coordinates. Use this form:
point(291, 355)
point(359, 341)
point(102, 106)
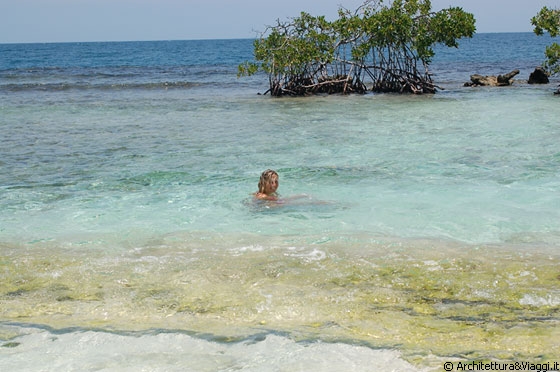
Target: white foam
point(534, 300)
point(314, 255)
point(41, 350)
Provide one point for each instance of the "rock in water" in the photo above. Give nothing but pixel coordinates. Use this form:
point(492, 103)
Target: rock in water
point(539, 76)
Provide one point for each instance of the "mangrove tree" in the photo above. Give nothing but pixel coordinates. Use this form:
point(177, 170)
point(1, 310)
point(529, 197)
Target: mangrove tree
point(383, 46)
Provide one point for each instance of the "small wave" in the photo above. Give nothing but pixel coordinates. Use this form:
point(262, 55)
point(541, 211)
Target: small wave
point(162, 178)
point(256, 352)
point(63, 86)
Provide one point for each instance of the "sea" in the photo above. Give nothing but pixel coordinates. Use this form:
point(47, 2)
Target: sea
point(413, 232)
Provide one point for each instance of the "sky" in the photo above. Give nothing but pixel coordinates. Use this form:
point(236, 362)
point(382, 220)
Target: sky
point(26, 21)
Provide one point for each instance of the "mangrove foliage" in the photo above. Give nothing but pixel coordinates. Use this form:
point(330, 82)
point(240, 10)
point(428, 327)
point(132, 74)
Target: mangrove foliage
point(548, 20)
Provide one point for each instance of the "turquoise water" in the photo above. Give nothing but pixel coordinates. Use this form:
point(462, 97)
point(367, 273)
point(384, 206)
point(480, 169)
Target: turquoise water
point(426, 228)
point(474, 166)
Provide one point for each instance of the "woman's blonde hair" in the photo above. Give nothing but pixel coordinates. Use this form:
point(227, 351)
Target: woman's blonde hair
point(266, 176)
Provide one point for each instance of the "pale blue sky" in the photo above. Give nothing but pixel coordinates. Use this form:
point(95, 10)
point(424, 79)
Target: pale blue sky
point(117, 20)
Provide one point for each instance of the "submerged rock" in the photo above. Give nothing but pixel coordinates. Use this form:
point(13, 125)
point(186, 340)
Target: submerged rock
point(539, 76)
point(493, 81)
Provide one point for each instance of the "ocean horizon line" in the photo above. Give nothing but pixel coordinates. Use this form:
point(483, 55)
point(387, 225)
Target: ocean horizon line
point(199, 39)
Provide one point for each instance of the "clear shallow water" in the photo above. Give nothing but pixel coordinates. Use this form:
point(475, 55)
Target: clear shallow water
point(428, 226)
point(454, 166)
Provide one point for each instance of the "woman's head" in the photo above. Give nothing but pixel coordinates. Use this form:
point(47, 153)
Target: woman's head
point(268, 184)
